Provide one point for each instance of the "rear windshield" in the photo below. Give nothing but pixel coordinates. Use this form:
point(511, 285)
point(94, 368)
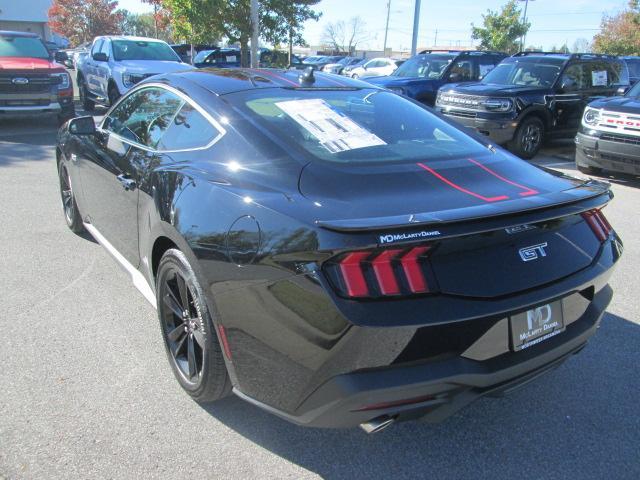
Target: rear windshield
point(531, 72)
point(22, 47)
point(424, 66)
point(353, 126)
point(142, 50)
point(634, 66)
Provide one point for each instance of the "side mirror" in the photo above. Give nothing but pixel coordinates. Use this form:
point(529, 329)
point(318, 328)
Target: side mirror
point(60, 57)
point(100, 57)
point(82, 126)
point(621, 91)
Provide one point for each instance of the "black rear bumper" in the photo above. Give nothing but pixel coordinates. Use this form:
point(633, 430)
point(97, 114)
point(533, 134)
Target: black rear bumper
point(437, 389)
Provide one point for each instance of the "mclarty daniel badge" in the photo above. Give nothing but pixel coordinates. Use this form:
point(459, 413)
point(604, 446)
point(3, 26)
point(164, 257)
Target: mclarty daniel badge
point(400, 237)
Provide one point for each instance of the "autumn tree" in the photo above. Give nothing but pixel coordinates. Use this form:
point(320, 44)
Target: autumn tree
point(161, 18)
point(501, 29)
point(620, 34)
point(83, 20)
point(345, 36)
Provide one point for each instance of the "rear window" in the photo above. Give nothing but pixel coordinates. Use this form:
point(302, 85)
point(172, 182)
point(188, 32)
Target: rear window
point(22, 47)
point(527, 71)
point(354, 126)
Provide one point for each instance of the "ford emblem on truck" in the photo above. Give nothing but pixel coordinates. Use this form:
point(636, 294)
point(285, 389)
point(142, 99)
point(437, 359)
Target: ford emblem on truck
point(20, 81)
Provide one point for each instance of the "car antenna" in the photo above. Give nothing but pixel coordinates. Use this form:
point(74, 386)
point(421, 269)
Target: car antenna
point(307, 78)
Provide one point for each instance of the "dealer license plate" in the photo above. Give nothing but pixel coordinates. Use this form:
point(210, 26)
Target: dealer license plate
point(536, 325)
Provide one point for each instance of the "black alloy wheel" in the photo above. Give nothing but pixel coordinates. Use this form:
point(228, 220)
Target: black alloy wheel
point(528, 138)
point(190, 339)
point(69, 207)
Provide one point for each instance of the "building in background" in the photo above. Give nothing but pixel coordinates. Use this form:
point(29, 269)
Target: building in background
point(28, 16)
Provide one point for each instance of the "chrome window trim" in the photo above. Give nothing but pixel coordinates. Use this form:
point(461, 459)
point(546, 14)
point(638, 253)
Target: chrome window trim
point(185, 99)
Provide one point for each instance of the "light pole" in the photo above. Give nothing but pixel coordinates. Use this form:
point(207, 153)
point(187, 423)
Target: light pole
point(416, 23)
point(386, 28)
point(524, 22)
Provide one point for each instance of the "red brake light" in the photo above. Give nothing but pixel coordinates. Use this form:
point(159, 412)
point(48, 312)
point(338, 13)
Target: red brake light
point(598, 223)
point(381, 273)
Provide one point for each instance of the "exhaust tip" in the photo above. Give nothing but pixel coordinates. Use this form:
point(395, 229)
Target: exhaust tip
point(377, 424)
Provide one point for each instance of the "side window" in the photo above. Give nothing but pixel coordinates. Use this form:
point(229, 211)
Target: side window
point(143, 116)
point(106, 48)
point(485, 65)
point(604, 74)
point(462, 71)
point(574, 78)
point(188, 129)
point(96, 47)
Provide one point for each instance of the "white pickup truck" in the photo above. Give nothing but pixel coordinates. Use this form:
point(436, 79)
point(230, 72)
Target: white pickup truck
point(116, 63)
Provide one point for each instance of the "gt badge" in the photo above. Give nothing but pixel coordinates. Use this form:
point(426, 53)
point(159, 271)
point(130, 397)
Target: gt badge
point(533, 252)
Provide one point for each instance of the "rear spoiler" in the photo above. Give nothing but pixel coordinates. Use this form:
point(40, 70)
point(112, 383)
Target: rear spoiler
point(589, 195)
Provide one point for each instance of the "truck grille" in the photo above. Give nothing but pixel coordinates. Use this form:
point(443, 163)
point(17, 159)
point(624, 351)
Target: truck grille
point(36, 83)
point(472, 102)
point(611, 137)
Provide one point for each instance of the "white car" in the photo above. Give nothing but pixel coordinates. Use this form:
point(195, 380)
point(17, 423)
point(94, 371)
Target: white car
point(116, 63)
point(376, 67)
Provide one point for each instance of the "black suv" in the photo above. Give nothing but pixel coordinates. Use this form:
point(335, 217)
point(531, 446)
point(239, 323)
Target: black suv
point(532, 96)
point(421, 76)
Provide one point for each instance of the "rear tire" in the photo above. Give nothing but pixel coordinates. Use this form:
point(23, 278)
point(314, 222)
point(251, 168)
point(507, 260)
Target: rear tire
point(187, 328)
point(69, 207)
point(66, 114)
point(528, 138)
point(588, 170)
point(87, 104)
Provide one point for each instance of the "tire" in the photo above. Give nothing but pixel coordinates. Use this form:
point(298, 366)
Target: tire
point(66, 114)
point(528, 138)
point(69, 206)
point(355, 76)
point(190, 339)
point(589, 170)
point(113, 94)
point(87, 104)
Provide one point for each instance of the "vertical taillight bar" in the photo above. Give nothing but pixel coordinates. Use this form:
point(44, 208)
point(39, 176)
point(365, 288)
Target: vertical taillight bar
point(413, 272)
point(353, 275)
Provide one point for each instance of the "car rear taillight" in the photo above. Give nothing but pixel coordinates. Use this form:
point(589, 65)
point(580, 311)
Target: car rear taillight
point(598, 224)
point(381, 273)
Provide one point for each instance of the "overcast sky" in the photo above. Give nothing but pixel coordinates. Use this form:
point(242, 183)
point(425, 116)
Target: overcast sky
point(552, 21)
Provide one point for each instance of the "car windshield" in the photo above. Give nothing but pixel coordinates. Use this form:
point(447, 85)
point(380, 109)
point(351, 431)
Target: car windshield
point(424, 66)
point(143, 50)
point(532, 72)
point(353, 126)
point(22, 47)
point(634, 67)
point(200, 56)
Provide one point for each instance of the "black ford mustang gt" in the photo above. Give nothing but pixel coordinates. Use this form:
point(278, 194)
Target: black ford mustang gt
point(332, 252)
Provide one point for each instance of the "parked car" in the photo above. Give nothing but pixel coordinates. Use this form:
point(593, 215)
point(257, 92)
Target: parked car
point(313, 250)
point(532, 96)
point(421, 76)
point(329, 60)
point(78, 53)
point(230, 58)
point(346, 71)
point(184, 50)
point(63, 57)
point(30, 81)
point(633, 64)
point(376, 67)
point(609, 136)
point(117, 63)
point(340, 65)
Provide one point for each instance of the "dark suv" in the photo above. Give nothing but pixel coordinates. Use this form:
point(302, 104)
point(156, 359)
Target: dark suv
point(421, 76)
point(532, 96)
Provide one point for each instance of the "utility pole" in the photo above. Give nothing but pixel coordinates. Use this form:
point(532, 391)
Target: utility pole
point(416, 23)
point(524, 22)
point(386, 29)
point(255, 33)
point(435, 38)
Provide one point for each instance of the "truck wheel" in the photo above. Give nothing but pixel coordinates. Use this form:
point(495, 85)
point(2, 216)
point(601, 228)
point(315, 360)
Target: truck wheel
point(88, 104)
point(67, 113)
point(589, 170)
point(528, 138)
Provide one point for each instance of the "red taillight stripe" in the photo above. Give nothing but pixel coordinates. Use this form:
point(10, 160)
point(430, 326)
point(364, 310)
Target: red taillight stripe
point(458, 187)
point(527, 190)
point(606, 226)
point(384, 272)
point(353, 275)
point(597, 228)
point(412, 270)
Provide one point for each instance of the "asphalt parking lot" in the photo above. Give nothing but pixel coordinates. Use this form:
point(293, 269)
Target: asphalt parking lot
point(86, 391)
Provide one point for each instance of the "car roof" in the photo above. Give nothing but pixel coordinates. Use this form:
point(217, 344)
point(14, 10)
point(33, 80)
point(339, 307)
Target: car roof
point(226, 80)
point(10, 33)
point(131, 37)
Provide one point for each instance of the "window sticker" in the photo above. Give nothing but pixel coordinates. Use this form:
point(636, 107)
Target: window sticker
point(335, 131)
point(599, 78)
point(231, 58)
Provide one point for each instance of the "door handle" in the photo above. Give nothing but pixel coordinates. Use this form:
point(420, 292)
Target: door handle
point(126, 181)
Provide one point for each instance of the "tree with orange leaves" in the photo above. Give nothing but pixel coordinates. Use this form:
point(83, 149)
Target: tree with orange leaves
point(82, 20)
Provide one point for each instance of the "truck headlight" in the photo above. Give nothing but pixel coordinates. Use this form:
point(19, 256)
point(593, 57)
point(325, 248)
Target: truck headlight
point(65, 80)
point(591, 117)
point(498, 104)
point(130, 79)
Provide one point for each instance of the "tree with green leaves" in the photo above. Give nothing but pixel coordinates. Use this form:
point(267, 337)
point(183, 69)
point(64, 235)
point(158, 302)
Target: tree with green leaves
point(620, 34)
point(501, 29)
